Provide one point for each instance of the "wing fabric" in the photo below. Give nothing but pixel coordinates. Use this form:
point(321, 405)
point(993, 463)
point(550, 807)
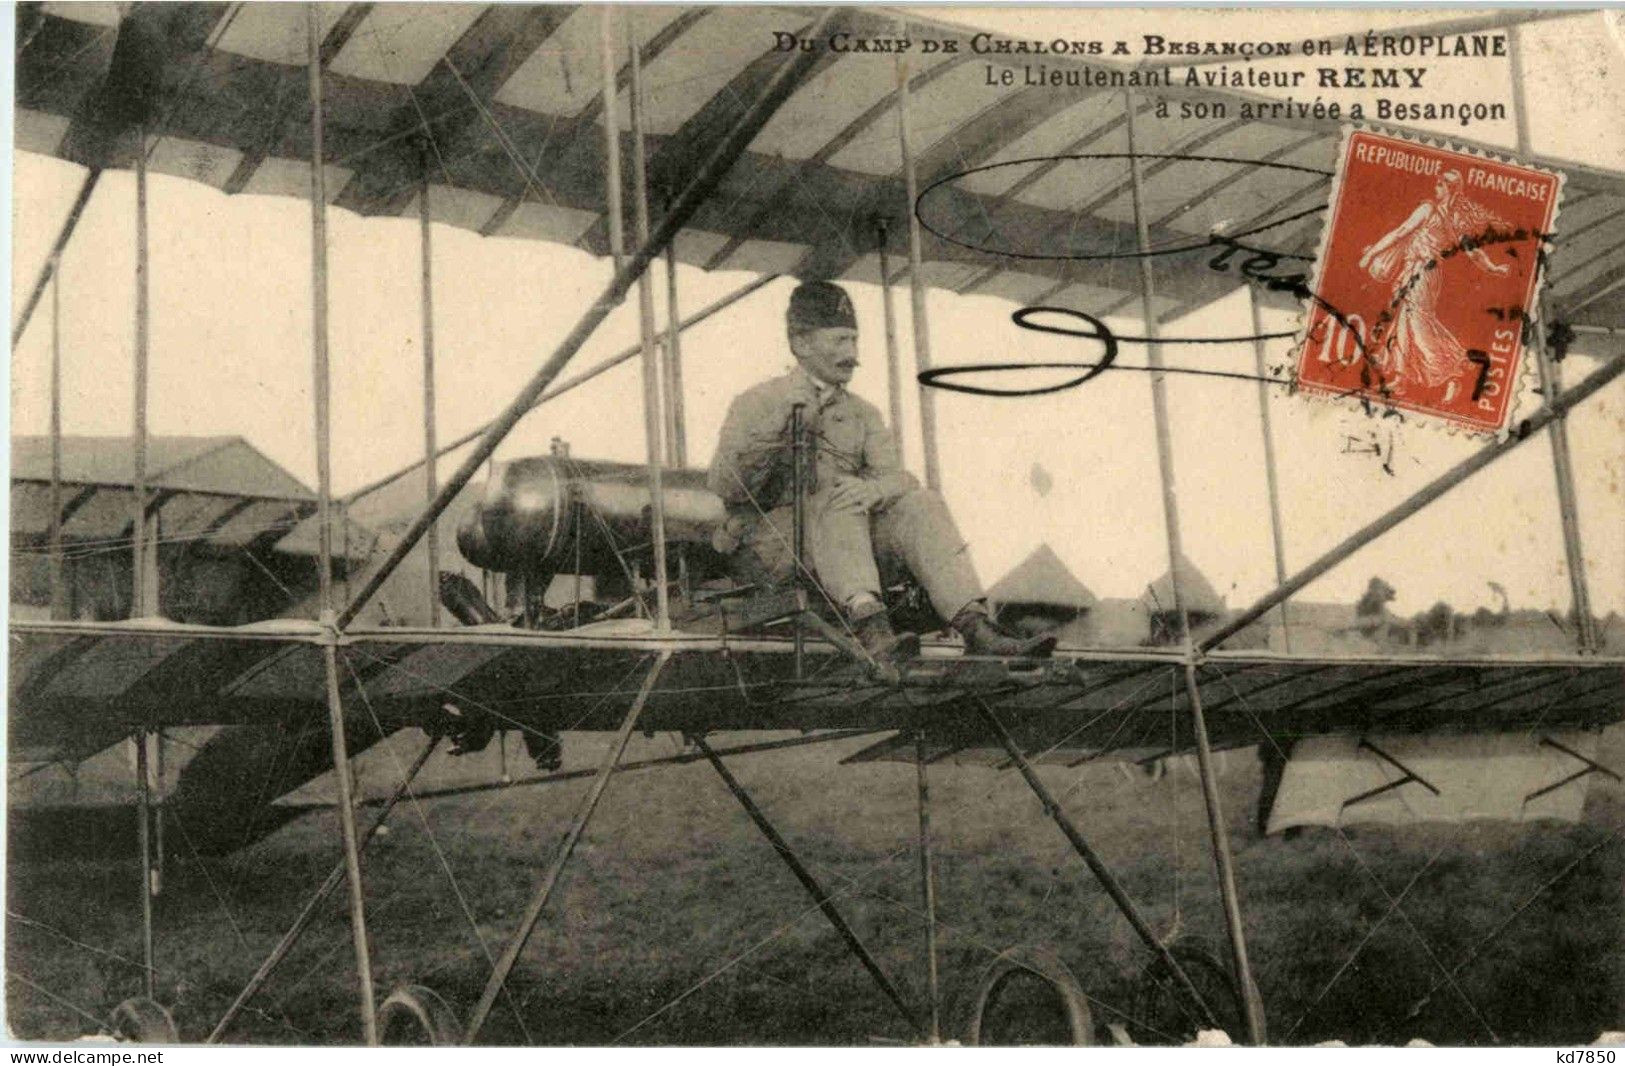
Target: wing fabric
point(73, 686)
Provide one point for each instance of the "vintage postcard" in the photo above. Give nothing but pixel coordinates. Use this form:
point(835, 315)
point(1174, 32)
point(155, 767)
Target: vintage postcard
point(673, 525)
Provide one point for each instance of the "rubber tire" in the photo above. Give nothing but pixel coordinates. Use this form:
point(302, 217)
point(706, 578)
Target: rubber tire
point(1036, 962)
point(140, 1020)
point(420, 1013)
point(1209, 975)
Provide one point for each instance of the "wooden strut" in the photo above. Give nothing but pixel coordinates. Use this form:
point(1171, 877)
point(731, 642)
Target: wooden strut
point(1434, 489)
point(919, 320)
point(1222, 858)
point(1557, 430)
point(324, 527)
point(798, 527)
point(705, 180)
point(143, 311)
point(676, 417)
point(894, 362)
point(1551, 383)
point(1107, 879)
point(672, 389)
point(139, 607)
point(313, 905)
point(578, 511)
point(819, 896)
point(928, 882)
point(59, 597)
point(614, 213)
point(53, 262)
point(1271, 480)
point(426, 299)
point(653, 422)
point(159, 770)
point(144, 836)
point(555, 870)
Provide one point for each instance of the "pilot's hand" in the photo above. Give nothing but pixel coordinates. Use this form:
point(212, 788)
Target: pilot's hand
point(853, 495)
point(1500, 269)
point(783, 438)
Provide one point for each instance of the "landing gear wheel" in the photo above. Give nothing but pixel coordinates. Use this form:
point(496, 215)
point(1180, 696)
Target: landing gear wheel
point(1164, 1014)
point(1026, 996)
point(142, 1021)
point(416, 1016)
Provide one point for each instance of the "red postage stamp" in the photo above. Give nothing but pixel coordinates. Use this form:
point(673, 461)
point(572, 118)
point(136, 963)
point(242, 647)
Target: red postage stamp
point(1425, 279)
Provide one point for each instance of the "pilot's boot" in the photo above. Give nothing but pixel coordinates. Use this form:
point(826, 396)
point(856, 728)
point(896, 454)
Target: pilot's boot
point(982, 637)
point(873, 630)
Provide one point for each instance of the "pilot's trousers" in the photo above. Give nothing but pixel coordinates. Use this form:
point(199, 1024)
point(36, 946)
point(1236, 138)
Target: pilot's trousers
point(850, 553)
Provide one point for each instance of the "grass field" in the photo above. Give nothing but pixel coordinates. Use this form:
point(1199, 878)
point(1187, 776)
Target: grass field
point(678, 925)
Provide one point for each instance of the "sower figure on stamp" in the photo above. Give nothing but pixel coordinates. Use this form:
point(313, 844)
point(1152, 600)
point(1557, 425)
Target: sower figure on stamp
point(1419, 347)
point(867, 517)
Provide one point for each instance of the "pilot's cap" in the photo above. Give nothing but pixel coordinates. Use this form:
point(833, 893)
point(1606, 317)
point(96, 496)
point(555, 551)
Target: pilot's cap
point(820, 305)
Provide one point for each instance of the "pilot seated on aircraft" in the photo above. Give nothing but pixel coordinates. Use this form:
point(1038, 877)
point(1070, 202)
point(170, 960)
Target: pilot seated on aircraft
point(866, 515)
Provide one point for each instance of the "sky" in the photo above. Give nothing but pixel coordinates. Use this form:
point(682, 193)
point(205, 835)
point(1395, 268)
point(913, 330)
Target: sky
point(231, 355)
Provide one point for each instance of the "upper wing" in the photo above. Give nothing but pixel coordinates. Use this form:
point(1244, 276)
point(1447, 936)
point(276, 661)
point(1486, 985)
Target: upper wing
point(503, 104)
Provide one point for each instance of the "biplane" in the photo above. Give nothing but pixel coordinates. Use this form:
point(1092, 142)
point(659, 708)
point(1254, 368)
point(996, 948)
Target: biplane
point(691, 133)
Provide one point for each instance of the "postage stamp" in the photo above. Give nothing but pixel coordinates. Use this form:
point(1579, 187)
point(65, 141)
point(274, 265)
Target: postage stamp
point(1426, 278)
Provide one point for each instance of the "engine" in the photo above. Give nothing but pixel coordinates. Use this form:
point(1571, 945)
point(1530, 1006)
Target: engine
point(554, 514)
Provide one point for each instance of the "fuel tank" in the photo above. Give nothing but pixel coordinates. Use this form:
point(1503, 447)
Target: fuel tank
point(537, 514)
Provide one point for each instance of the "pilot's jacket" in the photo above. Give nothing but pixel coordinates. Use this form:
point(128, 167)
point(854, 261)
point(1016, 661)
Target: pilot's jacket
point(909, 528)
